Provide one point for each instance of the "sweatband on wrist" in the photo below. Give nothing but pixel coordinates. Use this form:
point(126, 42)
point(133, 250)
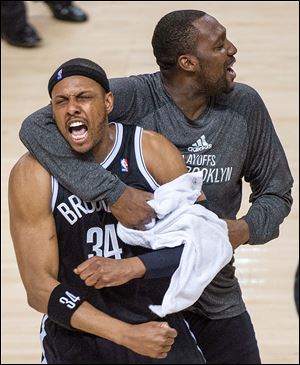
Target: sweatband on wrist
point(63, 302)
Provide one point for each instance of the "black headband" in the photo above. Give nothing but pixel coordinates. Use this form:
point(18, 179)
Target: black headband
point(82, 70)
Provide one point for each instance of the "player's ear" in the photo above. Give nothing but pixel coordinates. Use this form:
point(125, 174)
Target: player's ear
point(187, 62)
point(109, 102)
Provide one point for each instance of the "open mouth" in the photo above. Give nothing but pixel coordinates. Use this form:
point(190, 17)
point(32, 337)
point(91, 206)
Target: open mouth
point(78, 131)
point(230, 70)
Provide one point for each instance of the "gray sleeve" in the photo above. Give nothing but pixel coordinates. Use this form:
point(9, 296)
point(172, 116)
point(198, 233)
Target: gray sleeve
point(125, 100)
point(267, 171)
point(133, 100)
point(79, 173)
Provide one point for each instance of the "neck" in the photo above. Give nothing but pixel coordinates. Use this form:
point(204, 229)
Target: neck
point(186, 95)
point(104, 146)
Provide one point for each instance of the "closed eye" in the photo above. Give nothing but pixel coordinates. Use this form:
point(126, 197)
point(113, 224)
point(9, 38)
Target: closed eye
point(220, 47)
point(84, 97)
point(60, 101)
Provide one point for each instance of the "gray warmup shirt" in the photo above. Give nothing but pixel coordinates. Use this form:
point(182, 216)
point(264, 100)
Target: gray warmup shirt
point(233, 139)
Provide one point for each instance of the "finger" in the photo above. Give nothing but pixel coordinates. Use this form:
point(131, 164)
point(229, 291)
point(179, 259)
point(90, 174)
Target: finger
point(85, 264)
point(89, 271)
point(153, 214)
point(164, 324)
point(169, 341)
point(172, 333)
point(99, 285)
point(148, 196)
point(94, 278)
point(166, 349)
point(150, 213)
point(92, 283)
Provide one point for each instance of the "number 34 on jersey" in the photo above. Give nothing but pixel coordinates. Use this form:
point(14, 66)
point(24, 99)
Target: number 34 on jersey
point(105, 242)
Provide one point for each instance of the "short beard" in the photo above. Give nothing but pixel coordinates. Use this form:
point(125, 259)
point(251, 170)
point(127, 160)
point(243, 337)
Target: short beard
point(213, 88)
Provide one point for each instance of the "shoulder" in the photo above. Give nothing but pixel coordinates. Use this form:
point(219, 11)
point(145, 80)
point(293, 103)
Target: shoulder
point(147, 79)
point(28, 178)
point(162, 158)
point(157, 142)
point(241, 92)
point(28, 167)
point(135, 82)
point(243, 99)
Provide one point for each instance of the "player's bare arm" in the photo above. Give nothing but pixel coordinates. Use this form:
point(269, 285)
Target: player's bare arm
point(165, 163)
point(34, 235)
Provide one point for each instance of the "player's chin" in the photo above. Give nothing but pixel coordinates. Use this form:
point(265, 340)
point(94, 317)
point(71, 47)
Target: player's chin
point(81, 148)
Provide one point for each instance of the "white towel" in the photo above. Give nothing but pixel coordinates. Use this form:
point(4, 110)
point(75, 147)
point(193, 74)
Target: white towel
point(206, 245)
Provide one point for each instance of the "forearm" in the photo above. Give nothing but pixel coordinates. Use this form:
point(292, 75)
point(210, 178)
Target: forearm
point(161, 263)
point(79, 173)
point(89, 319)
point(147, 339)
point(238, 232)
point(153, 339)
point(38, 295)
point(265, 216)
point(86, 317)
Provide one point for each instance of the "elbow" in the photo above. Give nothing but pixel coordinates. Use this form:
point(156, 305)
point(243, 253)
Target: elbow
point(260, 238)
point(272, 235)
point(87, 196)
point(31, 301)
point(35, 300)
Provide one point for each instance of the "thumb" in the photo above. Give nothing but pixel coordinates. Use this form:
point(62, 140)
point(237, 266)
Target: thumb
point(165, 324)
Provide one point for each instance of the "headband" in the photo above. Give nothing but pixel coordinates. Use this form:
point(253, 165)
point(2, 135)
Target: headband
point(73, 70)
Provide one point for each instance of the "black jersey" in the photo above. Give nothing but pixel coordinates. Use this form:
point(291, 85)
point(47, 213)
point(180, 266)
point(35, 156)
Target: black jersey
point(85, 229)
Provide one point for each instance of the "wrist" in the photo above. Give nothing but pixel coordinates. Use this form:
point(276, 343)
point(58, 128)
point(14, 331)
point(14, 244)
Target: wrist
point(136, 266)
point(238, 232)
point(63, 302)
point(91, 320)
point(244, 229)
point(122, 336)
point(116, 193)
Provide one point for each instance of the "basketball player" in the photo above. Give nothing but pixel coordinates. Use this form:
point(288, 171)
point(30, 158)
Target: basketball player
point(54, 231)
point(222, 128)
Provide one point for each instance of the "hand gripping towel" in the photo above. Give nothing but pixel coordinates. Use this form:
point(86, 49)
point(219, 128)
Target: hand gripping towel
point(205, 237)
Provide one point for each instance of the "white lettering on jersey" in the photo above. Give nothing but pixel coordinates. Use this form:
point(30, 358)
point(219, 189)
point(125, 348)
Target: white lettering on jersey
point(79, 208)
point(70, 216)
point(110, 242)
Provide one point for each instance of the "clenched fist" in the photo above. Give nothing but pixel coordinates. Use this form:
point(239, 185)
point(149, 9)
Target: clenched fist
point(154, 339)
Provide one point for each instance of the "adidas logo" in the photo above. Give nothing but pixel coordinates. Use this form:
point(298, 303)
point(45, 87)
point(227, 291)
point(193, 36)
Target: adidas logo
point(200, 145)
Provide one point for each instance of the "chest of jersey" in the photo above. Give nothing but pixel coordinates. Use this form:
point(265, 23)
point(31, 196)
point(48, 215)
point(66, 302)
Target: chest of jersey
point(87, 229)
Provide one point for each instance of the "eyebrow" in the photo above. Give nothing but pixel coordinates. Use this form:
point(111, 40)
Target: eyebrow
point(77, 95)
point(222, 36)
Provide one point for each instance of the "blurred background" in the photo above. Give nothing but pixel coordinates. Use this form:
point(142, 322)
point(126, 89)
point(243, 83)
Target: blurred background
point(117, 35)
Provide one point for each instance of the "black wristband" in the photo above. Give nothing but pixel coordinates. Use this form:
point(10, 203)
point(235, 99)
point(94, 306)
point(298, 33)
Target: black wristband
point(204, 203)
point(63, 302)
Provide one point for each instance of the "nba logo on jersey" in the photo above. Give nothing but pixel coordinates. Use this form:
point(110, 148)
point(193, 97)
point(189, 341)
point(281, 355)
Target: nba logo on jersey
point(124, 165)
point(59, 74)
